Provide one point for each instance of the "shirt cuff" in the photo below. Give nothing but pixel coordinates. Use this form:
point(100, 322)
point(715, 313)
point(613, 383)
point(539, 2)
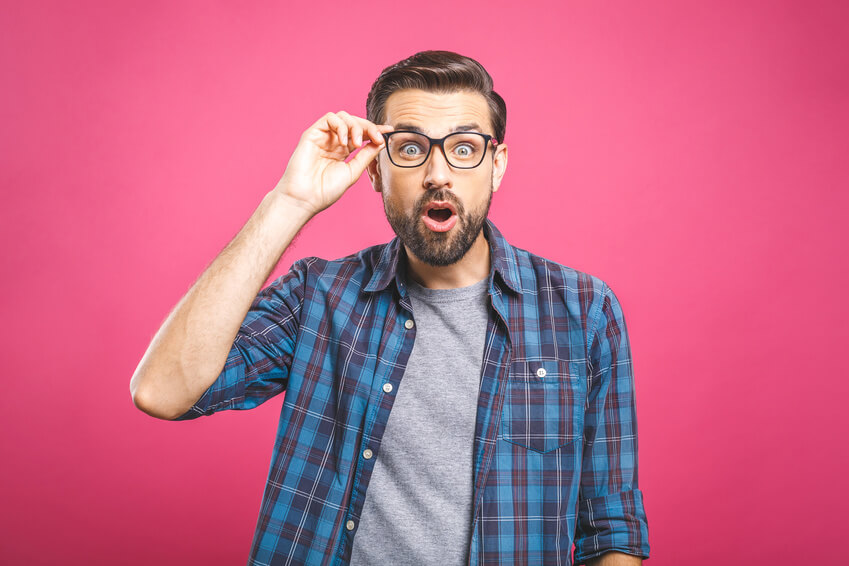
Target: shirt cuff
point(612, 522)
point(226, 392)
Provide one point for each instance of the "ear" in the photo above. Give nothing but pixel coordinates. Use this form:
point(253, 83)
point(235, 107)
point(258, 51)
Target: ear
point(499, 165)
point(373, 170)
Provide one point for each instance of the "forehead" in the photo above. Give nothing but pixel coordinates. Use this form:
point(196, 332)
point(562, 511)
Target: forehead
point(437, 113)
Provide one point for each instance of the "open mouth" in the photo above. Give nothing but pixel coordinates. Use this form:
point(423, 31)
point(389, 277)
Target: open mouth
point(440, 216)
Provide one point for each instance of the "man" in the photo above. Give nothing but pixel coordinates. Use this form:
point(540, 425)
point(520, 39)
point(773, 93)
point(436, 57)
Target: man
point(449, 398)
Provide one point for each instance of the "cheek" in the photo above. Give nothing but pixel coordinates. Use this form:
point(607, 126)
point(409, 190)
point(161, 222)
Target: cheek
point(400, 189)
point(396, 198)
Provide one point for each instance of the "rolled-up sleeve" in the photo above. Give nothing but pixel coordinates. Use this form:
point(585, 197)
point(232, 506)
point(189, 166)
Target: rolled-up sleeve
point(611, 514)
point(257, 367)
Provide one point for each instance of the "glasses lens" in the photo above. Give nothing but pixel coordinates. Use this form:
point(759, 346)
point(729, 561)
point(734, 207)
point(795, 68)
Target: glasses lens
point(407, 149)
point(465, 149)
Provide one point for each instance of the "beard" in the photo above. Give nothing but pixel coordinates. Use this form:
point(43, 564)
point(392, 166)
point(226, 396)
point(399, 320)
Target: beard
point(438, 248)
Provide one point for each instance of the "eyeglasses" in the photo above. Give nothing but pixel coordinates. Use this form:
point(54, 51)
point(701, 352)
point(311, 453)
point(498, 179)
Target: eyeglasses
point(463, 150)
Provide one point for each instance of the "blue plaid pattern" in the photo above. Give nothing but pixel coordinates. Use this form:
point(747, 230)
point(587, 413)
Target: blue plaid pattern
point(555, 442)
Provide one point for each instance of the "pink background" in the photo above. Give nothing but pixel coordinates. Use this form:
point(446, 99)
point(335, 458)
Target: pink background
point(693, 155)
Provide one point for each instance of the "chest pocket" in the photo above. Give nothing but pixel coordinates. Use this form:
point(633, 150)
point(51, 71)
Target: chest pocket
point(543, 404)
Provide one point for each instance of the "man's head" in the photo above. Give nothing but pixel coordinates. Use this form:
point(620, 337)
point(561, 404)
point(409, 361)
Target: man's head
point(437, 93)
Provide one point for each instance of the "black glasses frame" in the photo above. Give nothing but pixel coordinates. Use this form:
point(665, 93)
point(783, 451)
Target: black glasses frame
point(440, 142)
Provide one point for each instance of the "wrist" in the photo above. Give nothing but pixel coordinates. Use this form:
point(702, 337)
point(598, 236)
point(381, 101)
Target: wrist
point(289, 206)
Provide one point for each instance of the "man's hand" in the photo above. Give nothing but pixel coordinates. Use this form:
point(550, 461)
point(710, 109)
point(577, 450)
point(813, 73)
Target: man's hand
point(317, 174)
point(188, 353)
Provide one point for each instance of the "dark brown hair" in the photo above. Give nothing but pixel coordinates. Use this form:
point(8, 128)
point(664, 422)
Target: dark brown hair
point(441, 72)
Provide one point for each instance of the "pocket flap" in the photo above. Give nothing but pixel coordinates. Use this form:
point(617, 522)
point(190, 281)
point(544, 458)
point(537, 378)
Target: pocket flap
point(543, 404)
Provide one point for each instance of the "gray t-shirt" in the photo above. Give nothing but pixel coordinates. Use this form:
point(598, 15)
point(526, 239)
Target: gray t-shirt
point(418, 507)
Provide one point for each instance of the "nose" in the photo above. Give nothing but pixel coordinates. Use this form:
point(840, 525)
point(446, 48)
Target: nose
point(437, 170)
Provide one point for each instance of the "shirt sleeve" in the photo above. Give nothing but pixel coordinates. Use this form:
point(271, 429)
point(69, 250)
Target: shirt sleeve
point(257, 367)
point(611, 515)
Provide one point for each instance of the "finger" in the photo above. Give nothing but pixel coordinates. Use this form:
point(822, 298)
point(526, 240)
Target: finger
point(356, 134)
point(355, 129)
point(366, 128)
point(374, 133)
point(338, 126)
point(369, 128)
point(363, 157)
point(325, 124)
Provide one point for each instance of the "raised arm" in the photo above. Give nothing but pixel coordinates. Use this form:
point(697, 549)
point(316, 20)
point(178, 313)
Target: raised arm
point(190, 349)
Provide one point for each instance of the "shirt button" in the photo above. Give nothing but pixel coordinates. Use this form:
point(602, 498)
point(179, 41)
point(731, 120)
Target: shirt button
point(349, 525)
point(541, 372)
point(367, 454)
point(387, 387)
point(409, 324)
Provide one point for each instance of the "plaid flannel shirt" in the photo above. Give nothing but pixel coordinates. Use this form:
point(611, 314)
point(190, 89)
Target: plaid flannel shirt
point(555, 446)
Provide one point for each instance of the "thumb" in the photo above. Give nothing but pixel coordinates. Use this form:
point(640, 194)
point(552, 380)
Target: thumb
point(365, 156)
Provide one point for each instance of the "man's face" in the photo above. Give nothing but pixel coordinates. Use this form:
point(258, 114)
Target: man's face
point(409, 192)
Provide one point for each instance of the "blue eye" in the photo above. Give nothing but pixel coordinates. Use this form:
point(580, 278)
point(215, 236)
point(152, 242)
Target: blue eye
point(411, 149)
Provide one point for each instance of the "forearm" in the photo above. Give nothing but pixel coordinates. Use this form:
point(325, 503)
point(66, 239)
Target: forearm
point(190, 349)
point(615, 559)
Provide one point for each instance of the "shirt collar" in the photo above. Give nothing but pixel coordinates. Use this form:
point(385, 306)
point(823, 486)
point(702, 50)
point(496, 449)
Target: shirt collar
point(394, 257)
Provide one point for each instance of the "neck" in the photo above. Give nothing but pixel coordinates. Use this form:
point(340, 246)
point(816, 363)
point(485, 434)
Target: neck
point(472, 268)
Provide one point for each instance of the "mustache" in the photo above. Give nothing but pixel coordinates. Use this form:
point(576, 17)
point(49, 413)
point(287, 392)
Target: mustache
point(441, 195)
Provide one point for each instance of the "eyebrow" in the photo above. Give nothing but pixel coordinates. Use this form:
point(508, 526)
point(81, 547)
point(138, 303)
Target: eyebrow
point(472, 126)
